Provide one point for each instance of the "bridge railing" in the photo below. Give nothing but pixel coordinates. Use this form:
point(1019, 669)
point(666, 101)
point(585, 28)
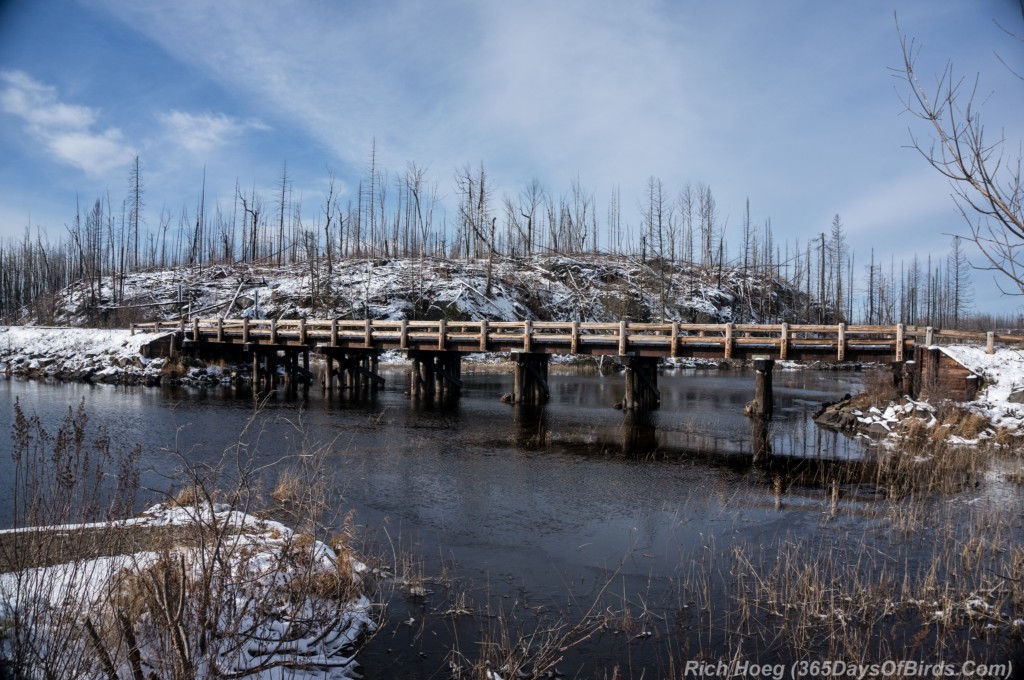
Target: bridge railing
point(669, 339)
point(572, 337)
point(928, 336)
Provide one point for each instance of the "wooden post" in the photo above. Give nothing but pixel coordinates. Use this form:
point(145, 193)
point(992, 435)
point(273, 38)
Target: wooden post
point(367, 334)
point(574, 338)
point(527, 335)
point(841, 343)
point(623, 338)
point(195, 329)
point(728, 340)
point(897, 376)
point(427, 376)
point(760, 434)
point(334, 332)
point(530, 384)
point(763, 404)
point(784, 342)
point(302, 331)
point(929, 336)
point(540, 384)
point(899, 341)
point(449, 374)
point(990, 343)
point(367, 382)
point(220, 330)
point(674, 342)
point(483, 335)
point(911, 376)
point(641, 384)
point(414, 377)
point(273, 331)
point(133, 329)
point(442, 330)
point(519, 380)
point(403, 336)
point(291, 363)
point(245, 330)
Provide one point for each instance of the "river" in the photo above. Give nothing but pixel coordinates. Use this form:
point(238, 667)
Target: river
point(531, 516)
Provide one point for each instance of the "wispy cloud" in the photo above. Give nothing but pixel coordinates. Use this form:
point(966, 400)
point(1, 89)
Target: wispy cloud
point(205, 132)
point(69, 132)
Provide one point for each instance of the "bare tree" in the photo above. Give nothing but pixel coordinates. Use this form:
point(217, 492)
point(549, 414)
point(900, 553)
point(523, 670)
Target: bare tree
point(135, 206)
point(837, 249)
point(251, 207)
point(986, 180)
point(282, 203)
point(958, 271)
point(707, 212)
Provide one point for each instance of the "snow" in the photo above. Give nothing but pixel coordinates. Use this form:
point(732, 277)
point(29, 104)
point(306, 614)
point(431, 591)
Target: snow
point(1003, 374)
point(584, 288)
point(256, 577)
point(82, 353)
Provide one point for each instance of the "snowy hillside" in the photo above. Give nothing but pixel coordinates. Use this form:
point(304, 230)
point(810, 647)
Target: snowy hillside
point(594, 288)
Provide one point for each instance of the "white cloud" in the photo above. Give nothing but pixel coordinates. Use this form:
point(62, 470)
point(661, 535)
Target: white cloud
point(791, 106)
point(205, 132)
point(67, 131)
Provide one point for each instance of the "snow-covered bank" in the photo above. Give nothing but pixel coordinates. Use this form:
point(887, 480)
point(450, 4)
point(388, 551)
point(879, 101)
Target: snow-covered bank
point(586, 288)
point(1001, 398)
point(281, 603)
point(999, 406)
point(84, 354)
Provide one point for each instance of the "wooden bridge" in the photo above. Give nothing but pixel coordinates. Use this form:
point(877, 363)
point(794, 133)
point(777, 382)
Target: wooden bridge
point(436, 347)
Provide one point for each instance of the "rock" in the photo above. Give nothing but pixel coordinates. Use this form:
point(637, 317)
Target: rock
point(1016, 397)
point(878, 428)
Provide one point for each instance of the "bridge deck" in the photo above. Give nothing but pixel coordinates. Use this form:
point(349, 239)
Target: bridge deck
point(730, 341)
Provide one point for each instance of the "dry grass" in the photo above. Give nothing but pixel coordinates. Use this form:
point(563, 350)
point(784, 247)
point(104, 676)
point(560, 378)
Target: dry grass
point(797, 600)
point(960, 422)
point(879, 391)
point(187, 497)
point(289, 486)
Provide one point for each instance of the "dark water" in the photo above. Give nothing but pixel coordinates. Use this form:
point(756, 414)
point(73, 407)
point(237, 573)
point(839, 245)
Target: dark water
point(535, 511)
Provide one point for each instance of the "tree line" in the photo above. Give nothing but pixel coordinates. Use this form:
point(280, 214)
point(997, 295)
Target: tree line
point(402, 215)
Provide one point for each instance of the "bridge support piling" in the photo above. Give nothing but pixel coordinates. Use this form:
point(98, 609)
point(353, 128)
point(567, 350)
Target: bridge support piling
point(761, 439)
point(763, 403)
point(271, 376)
point(356, 372)
point(327, 381)
point(435, 373)
point(530, 383)
point(642, 392)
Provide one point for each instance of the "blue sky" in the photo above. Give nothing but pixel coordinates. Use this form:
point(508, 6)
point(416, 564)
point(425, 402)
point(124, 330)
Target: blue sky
point(790, 104)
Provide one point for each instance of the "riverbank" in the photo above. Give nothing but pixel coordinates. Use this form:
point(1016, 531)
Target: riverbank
point(78, 354)
point(884, 415)
point(274, 600)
